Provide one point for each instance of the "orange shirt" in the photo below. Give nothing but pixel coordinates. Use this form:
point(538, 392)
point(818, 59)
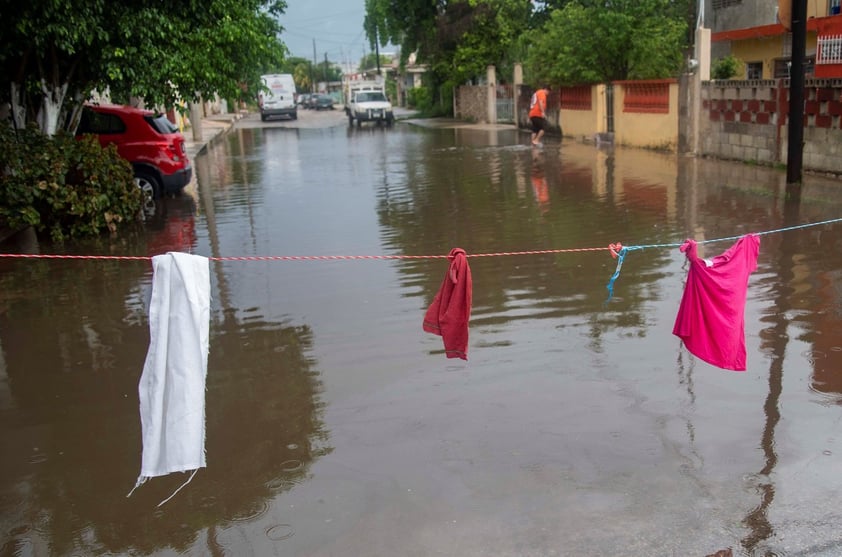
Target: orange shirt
point(538, 106)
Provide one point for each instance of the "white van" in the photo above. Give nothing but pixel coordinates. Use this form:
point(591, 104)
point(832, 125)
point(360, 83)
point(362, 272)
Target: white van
point(279, 100)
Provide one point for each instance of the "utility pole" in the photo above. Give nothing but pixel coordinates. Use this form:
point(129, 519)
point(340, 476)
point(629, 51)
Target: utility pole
point(325, 67)
point(795, 147)
point(312, 69)
point(377, 49)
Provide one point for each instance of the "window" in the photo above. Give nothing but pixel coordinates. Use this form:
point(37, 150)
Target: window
point(754, 70)
point(100, 123)
point(161, 124)
point(833, 7)
point(786, 50)
point(782, 66)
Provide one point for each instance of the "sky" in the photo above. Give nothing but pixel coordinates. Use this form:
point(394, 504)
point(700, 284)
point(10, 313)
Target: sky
point(336, 27)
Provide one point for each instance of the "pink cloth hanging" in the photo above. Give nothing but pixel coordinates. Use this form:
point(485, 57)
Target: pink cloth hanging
point(450, 311)
point(711, 317)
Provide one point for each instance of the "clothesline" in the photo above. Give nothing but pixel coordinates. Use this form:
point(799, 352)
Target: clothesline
point(619, 251)
point(616, 250)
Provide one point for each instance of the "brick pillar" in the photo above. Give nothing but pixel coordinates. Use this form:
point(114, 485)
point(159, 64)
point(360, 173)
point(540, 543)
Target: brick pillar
point(491, 77)
point(516, 90)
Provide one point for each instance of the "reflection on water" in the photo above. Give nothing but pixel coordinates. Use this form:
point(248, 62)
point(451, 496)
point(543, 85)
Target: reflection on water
point(336, 427)
point(72, 356)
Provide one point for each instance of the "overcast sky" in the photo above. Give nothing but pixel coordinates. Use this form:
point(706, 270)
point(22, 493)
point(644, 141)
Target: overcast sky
point(336, 26)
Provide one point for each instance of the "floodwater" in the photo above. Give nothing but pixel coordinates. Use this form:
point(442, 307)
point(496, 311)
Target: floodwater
point(336, 427)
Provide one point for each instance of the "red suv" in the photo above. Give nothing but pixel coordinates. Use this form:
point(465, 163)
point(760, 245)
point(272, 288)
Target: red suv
point(148, 140)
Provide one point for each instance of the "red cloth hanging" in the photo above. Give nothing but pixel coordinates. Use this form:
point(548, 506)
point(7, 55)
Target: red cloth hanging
point(450, 311)
point(711, 318)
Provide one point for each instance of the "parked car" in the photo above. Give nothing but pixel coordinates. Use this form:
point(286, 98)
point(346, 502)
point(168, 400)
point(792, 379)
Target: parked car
point(323, 102)
point(148, 140)
point(303, 99)
point(278, 96)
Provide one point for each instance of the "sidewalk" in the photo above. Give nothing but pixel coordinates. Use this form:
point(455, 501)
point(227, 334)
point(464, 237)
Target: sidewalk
point(212, 127)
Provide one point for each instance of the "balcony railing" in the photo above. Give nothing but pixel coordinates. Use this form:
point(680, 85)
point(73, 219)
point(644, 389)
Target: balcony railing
point(829, 50)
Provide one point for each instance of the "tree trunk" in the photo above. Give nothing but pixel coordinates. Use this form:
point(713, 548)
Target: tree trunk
point(75, 114)
point(18, 107)
point(51, 101)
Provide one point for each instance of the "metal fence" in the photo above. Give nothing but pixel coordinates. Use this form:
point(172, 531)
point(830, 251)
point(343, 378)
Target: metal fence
point(505, 111)
point(505, 104)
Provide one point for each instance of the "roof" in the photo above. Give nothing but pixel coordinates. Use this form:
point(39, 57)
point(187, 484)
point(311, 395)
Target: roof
point(759, 32)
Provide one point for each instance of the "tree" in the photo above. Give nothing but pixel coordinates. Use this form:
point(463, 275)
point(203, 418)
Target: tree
point(621, 39)
point(370, 60)
point(52, 51)
point(328, 71)
point(301, 70)
point(473, 35)
point(458, 39)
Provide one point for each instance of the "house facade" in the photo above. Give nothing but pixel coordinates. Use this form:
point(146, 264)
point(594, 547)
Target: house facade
point(750, 31)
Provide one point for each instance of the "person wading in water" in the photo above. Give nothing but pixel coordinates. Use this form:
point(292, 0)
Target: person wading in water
point(538, 114)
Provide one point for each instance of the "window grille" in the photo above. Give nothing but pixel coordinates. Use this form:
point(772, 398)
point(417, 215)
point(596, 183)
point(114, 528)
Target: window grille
point(647, 97)
point(576, 98)
point(786, 51)
point(830, 50)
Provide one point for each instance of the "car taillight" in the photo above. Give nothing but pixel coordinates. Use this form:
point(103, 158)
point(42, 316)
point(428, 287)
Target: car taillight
point(174, 152)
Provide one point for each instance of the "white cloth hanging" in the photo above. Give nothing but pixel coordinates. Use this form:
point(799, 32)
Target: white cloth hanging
point(172, 385)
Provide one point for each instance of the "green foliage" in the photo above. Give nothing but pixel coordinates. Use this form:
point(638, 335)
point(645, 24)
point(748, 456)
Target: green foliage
point(560, 41)
point(420, 99)
point(456, 39)
point(391, 89)
point(301, 74)
point(62, 186)
point(725, 67)
point(159, 51)
point(628, 39)
point(369, 62)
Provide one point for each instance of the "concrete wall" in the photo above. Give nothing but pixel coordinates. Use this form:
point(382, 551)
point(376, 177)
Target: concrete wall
point(748, 121)
point(752, 13)
point(583, 124)
point(649, 130)
point(740, 120)
point(737, 120)
point(470, 102)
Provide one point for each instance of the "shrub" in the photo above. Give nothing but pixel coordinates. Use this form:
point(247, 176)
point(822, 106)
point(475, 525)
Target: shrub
point(62, 186)
point(725, 67)
point(419, 98)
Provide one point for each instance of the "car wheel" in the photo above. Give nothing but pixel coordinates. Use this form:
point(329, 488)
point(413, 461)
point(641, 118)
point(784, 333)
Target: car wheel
point(263, 117)
point(295, 116)
point(151, 190)
point(148, 184)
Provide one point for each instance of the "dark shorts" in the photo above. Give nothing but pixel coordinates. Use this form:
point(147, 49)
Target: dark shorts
point(538, 123)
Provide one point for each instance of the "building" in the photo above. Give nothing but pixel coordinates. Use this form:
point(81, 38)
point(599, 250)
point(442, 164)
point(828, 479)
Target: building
point(750, 31)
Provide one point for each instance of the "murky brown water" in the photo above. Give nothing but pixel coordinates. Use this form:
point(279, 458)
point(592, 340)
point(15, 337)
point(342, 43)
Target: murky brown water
point(337, 427)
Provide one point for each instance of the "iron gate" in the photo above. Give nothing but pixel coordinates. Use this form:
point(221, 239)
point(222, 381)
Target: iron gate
point(505, 104)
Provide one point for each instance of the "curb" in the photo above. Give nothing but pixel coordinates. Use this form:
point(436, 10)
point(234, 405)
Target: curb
point(211, 133)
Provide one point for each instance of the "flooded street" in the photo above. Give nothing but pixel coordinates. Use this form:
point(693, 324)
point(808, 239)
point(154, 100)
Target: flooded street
point(336, 426)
